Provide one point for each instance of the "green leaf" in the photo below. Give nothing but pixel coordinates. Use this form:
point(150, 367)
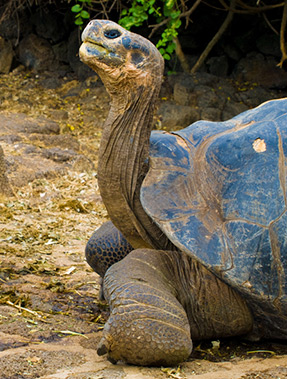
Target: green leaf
point(76, 8)
point(169, 4)
point(145, 6)
point(85, 14)
point(127, 22)
point(177, 24)
point(170, 48)
point(166, 56)
point(167, 12)
point(79, 21)
point(174, 15)
point(158, 12)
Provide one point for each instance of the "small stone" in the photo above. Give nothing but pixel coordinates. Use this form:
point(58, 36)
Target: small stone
point(218, 66)
point(5, 188)
point(6, 56)
point(36, 53)
point(176, 116)
point(263, 71)
point(183, 94)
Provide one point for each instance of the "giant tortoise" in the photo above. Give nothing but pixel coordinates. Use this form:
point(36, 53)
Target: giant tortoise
point(203, 210)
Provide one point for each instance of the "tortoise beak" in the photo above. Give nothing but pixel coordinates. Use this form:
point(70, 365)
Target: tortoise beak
point(95, 50)
point(91, 48)
point(92, 45)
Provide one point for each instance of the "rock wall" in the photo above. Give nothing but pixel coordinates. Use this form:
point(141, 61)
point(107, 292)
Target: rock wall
point(45, 38)
point(41, 39)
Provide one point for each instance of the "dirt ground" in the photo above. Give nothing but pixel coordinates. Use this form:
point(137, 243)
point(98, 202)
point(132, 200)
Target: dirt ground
point(50, 314)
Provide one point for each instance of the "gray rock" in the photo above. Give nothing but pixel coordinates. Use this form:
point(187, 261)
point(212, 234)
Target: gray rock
point(205, 79)
point(269, 44)
point(255, 68)
point(48, 25)
point(232, 51)
point(20, 123)
point(10, 138)
point(207, 97)
point(59, 155)
point(232, 109)
point(11, 26)
point(183, 94)
point(37, 150)
point(226, 90)
point(61, 51)
point(210, 114)
point(254, 96)
point(64, 141)
point(175, 116)
point(50, 83)
point(184, 79)
point(6, 56)
point(218, 66)
point(5, 188)
point(36, 53)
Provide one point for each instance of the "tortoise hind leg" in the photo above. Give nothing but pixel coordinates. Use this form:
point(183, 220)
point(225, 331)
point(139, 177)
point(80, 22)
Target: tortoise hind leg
point(214, 309)
point(106, 246)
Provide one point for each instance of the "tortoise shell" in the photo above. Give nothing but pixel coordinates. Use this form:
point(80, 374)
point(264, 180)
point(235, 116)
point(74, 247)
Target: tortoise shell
point(218, 191)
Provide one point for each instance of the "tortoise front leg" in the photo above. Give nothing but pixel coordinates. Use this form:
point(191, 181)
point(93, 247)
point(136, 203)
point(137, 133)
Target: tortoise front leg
point(106, 246)
point(147, 324)
point(159, 300)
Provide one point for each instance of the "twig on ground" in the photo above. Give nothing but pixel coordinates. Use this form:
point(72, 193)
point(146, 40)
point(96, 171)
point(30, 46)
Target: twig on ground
point(23, 309)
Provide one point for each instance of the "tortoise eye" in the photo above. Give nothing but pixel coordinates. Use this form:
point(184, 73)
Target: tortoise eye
point(112, 33)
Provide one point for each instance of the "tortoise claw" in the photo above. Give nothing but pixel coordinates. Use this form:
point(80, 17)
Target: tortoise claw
point(113, 361)
point(102, 348)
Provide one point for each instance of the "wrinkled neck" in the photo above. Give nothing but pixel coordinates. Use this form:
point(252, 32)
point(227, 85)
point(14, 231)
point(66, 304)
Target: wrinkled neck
point(123, 159)
point(124, 146)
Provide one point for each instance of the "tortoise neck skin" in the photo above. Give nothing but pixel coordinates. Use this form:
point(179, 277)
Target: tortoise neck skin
point(131, 69)
point(123, 160)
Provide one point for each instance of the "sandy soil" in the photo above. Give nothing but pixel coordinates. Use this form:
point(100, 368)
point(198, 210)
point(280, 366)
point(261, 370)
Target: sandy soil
point(50, 315)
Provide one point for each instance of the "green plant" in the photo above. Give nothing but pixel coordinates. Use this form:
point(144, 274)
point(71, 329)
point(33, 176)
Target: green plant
point(165, 12)
point(80, 13)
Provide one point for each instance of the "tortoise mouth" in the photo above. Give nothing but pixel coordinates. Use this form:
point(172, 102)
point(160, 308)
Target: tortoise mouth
point(95, 46)
point(95, 53)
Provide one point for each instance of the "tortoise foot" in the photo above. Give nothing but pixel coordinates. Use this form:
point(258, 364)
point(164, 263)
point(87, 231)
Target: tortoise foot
point(144, 342)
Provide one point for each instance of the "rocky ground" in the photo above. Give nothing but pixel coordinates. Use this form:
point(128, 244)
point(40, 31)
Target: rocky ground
point(50, 314)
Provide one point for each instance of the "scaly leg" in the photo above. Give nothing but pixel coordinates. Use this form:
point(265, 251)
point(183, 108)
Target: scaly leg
point(106, 246)
point(158, 301)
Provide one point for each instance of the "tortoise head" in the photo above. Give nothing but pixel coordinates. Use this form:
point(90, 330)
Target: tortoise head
point(121, 58)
